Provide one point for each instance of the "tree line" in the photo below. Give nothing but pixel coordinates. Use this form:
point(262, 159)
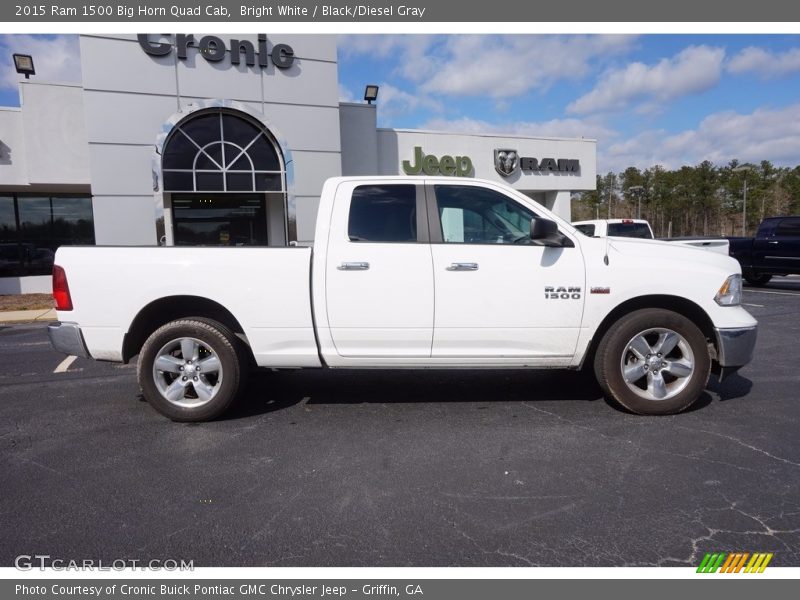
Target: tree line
point(704, 200)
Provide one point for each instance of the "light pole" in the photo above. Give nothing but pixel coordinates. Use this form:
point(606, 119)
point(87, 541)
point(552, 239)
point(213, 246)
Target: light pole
point(743, 169)
point(639, 190)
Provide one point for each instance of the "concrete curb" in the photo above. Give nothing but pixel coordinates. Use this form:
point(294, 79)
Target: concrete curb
point(28, 316)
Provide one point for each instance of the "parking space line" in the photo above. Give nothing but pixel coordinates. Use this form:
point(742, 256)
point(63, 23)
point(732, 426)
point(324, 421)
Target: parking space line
point(65, 364)
point(756, 305)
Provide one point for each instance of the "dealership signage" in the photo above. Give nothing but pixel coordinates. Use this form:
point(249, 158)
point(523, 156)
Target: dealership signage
point(458, 166)
point(508, 161)
point(214, 49)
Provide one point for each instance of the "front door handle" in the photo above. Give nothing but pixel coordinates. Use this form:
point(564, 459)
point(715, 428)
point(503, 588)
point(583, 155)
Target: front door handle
point(772, 242)
point(465, 266)
point(353, 266)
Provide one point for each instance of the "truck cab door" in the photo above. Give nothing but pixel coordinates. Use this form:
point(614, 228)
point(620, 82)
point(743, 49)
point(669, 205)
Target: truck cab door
point(378, 273)
point(781, 249)
point(498, 296)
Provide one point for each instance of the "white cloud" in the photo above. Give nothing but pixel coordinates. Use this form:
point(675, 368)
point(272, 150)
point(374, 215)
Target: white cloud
point(765, 134)
point(412, 52)
point(693, 70)
point(56, 58)
point(764, 63)
point(393, 102)
point(570, 128)
point(345, 95)
point(488, 65)
point(508, 66)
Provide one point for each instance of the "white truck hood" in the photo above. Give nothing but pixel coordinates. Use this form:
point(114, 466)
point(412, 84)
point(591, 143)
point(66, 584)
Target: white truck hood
point(660, 251)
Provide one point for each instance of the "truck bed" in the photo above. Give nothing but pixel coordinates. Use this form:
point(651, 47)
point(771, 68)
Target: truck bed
point(266, 288)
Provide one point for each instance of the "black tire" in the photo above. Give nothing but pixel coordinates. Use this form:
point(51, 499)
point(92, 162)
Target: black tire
point(757, 280)
point(204, 395)
point(619, 353)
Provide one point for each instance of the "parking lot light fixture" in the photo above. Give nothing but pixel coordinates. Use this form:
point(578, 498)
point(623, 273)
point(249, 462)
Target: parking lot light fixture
point(23, 63)
point(371, 93)
point(637, 190)
point(744, 169)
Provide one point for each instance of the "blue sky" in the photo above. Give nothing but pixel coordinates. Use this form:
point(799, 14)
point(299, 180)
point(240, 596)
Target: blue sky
point(652, 99)
point(655, 99)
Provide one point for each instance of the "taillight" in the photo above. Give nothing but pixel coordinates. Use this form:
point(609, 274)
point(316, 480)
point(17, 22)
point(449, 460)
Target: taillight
point(61, 289)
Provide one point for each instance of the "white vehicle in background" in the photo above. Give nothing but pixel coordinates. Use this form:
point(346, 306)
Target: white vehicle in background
point(409, 272)
point(632, 228)
point(639, 228)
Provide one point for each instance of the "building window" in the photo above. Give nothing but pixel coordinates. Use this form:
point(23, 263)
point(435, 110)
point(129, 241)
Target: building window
point(221, 151)
point(33, 227)
point(225, 178)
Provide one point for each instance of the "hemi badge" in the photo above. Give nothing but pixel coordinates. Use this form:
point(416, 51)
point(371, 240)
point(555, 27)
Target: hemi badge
point(600, 290)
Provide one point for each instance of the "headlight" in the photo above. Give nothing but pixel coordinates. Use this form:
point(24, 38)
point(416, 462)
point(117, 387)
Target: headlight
point(730, 294)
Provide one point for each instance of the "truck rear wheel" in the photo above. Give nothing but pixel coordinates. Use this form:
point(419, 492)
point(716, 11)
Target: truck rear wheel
point(653, 362)
point(190, 369)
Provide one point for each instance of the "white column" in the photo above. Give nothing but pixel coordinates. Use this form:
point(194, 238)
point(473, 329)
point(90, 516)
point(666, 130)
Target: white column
point(559, 203)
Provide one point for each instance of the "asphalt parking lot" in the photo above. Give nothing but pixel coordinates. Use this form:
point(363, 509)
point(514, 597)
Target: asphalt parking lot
point(378, 468)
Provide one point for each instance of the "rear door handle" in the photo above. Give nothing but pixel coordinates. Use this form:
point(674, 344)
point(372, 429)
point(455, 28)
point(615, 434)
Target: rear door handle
point(353, 266)
point(772, 242)
point(465, 266)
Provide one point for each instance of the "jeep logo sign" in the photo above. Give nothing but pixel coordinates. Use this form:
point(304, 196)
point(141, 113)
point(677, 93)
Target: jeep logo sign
point(507, 161)
point(458, 166)
point(213, 49)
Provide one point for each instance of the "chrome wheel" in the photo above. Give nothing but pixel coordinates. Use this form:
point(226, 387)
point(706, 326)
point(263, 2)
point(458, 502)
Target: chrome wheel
point(657, 364)
point(187, 372)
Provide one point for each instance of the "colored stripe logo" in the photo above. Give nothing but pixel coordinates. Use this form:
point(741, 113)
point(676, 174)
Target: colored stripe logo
point(734, 562)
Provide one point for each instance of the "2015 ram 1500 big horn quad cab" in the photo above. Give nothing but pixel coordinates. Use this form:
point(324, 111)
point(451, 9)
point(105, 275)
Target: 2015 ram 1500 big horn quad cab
point(409, 273)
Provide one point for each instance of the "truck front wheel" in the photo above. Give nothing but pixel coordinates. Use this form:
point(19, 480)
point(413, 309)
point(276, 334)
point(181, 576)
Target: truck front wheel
point(653, 362)
point(190, 369)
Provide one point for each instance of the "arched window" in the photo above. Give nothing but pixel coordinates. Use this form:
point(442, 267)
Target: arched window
point(220, 150)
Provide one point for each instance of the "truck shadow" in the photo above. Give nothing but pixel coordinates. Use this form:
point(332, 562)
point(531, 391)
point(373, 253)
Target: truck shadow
point(271, 391)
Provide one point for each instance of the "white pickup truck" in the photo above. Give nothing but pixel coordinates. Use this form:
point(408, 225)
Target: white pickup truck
point(409, 272)
point(639, 228)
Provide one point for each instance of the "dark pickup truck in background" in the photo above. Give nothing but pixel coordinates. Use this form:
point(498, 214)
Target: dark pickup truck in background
point(774, 251)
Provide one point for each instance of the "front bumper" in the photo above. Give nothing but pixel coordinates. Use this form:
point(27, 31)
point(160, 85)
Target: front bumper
point(735, 346)
point(67, 338)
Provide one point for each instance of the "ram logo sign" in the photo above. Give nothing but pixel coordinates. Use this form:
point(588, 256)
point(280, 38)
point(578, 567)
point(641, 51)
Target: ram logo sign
point(508, 161)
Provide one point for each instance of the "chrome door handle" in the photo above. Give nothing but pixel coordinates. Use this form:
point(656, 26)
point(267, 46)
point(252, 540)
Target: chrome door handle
point(463, 267)
point(353, 266)
point(772, 242)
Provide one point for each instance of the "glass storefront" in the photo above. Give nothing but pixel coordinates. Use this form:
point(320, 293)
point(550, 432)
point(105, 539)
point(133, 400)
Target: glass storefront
point(225, 177)
point(33, 227)
point(219, 219)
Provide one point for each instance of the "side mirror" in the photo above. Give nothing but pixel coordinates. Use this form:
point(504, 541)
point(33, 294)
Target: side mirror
point(544, 232)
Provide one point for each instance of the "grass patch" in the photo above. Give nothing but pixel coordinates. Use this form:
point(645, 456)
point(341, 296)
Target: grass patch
point(26, 302)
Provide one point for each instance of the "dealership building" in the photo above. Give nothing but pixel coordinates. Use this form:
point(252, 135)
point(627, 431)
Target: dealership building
point(220, 140)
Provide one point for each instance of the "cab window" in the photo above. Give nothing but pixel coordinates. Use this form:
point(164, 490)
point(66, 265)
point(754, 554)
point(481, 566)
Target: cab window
point(474, 215)
point(383, 213)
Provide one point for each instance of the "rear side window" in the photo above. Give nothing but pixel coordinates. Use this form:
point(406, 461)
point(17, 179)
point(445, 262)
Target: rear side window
point(586, 229)
point(383, 213)
point(632, 230)
point(789, 228)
